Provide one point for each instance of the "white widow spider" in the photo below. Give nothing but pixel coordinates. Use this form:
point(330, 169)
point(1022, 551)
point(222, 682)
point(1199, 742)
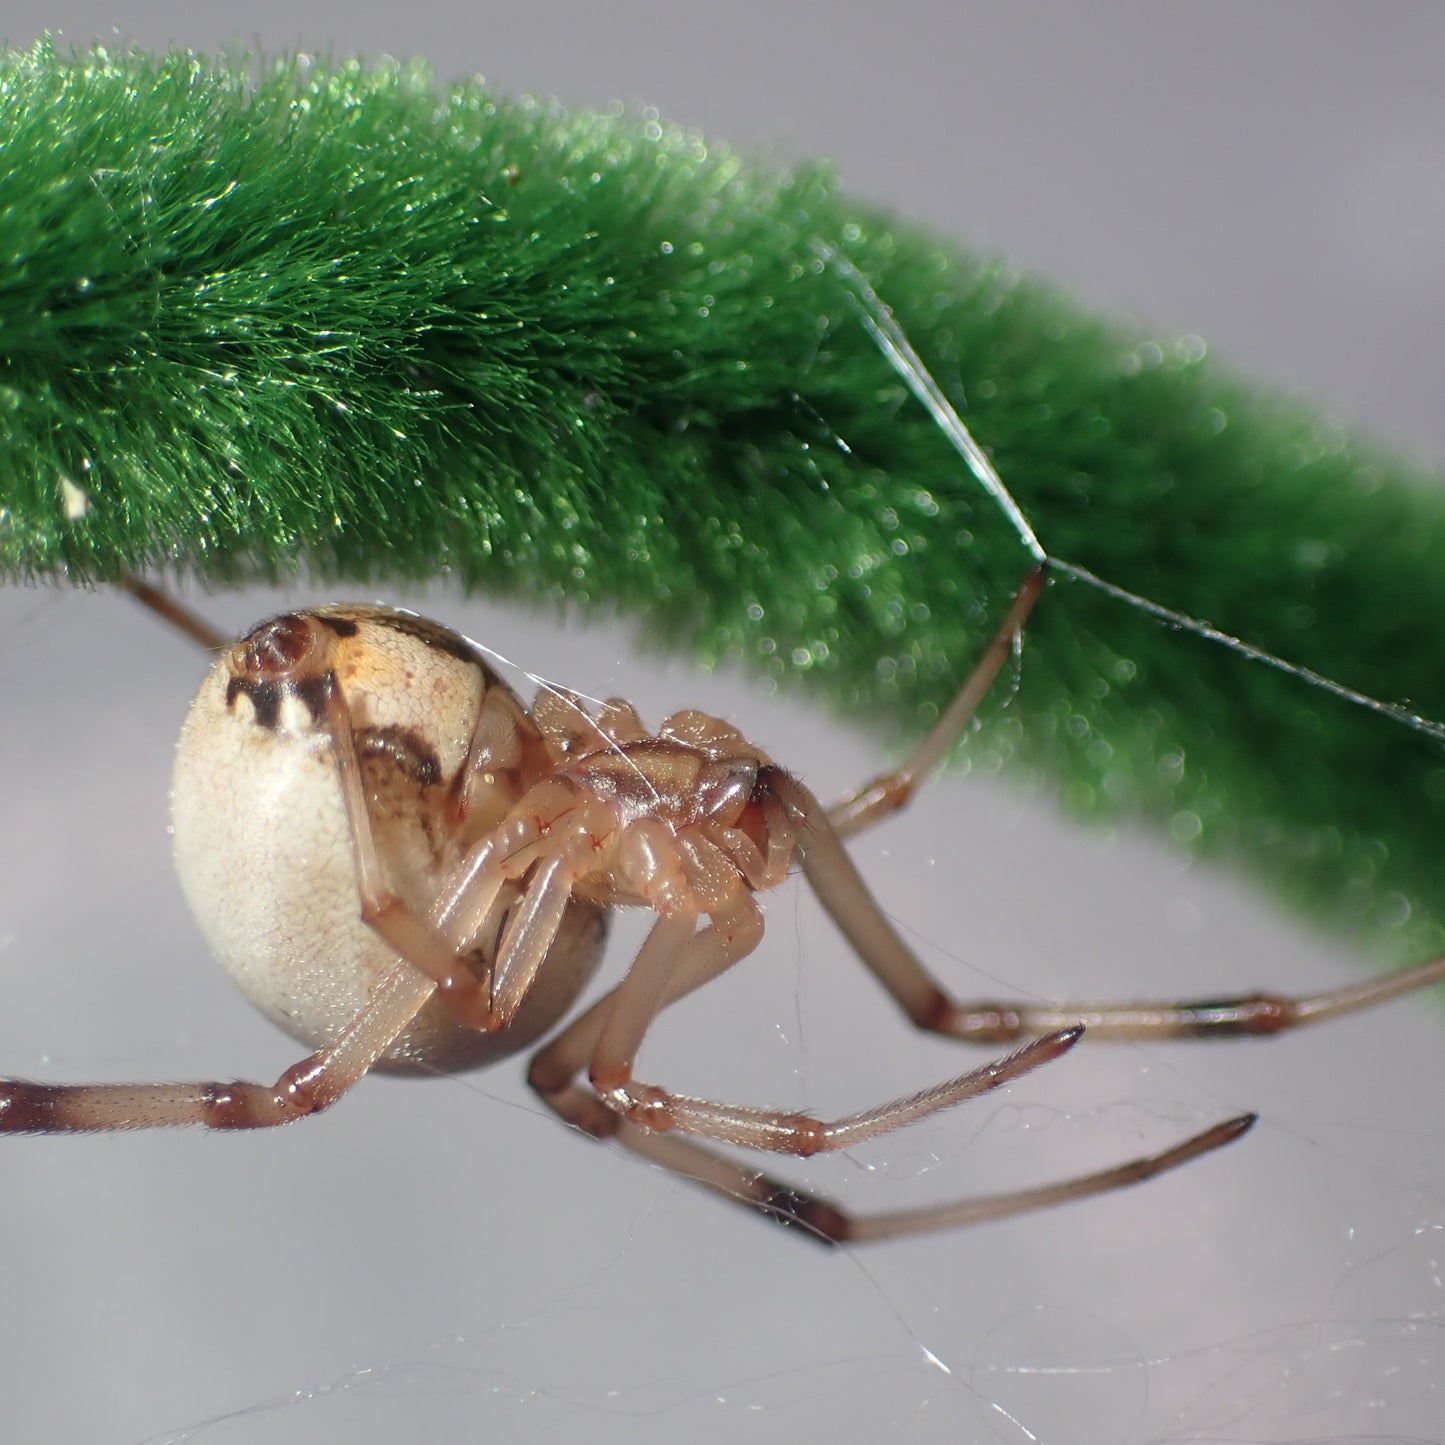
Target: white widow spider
point(406, 869)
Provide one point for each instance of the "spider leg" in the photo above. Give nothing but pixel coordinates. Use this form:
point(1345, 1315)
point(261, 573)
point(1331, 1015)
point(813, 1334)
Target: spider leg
point(836, 880)
point(561, 857)
point(675, 958)
point(554, 1068)
point(890, 792)
point(839, 886)
point(804, 1135)
point(821, 1219)
point(171, 611)
point(676, 963)
point(1235, 1016)
point(306, 1088)
point(688, 964)
point(496, 743)
point(381, 908)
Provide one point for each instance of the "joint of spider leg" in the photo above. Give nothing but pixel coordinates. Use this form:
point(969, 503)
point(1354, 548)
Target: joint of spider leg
point(1257, 1015)
point(984, 1023)
point(298, 1088)
point(376, 908)
point(801, 1212)
point(591, 1116)
point(546, 1077)
point(239, 1106)
point(806, 1135)
point(775, 783)
point(298, 1093)
point(473, 1002)
point(27, 1108)
point(640, 1104)
point(650, 861)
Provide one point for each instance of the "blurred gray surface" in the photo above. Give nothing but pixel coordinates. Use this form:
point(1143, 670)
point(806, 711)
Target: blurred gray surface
point(439, 1260)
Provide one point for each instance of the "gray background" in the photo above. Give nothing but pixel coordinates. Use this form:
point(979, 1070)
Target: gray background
point(440, 1260)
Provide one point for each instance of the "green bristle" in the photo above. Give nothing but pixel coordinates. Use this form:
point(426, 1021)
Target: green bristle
point(330, 317)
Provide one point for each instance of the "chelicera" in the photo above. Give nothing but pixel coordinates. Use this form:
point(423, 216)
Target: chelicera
point(407, 869)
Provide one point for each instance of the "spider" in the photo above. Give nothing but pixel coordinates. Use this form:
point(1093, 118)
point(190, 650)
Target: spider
point(408, 870)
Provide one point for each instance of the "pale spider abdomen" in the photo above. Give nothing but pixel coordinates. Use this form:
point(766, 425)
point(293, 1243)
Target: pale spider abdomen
point(261, 837)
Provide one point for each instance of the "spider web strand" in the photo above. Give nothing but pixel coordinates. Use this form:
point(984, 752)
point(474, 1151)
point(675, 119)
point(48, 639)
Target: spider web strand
point(893, 342)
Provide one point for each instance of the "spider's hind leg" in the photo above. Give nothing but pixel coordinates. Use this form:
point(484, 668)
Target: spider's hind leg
point(172, 612)
point(306, 1088)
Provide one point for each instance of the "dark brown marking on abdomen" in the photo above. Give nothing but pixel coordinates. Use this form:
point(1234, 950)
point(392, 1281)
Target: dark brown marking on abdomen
point(402, 746)
point(266, 697)
point(431, 633)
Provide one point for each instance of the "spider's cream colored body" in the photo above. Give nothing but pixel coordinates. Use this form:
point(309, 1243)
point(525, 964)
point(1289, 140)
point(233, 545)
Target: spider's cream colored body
point(264, 849)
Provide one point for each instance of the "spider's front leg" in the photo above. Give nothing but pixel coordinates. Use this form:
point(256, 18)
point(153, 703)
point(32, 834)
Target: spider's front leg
point(985, 1021)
